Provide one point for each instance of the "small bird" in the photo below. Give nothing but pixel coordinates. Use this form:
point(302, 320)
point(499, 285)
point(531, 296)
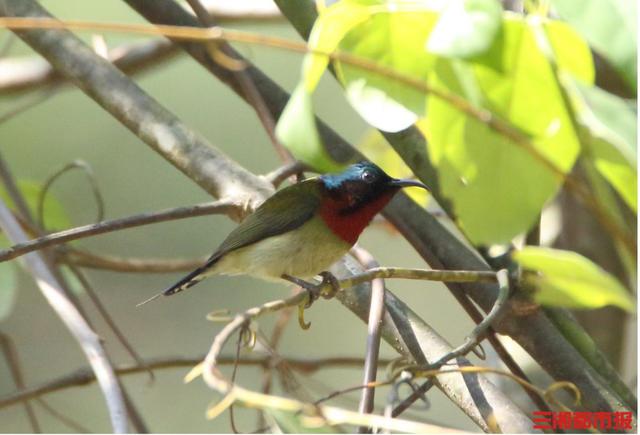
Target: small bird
point(302, 229)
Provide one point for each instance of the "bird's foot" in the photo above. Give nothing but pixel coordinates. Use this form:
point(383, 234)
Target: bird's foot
point(327, 288)
point(334, 285)
point(314, 291)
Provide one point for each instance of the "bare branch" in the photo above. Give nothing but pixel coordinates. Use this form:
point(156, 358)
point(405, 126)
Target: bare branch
point(88, 288)
point(327, 414)
point(376, 313)
point(95, 189)
point(11, 356)
point(171, 13)
point(144, 116)
point(67, 421)
point(86, 376)
point(277, 176)
point(83, 258)
point(478, 332)
point(416, 340)
point(216, 207)
point(219, 53)
point(18, 75)
point(86, 338)
point(233, 11)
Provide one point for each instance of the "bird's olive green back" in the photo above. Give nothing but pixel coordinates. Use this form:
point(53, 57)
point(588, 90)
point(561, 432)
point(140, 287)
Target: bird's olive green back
point(286, 210)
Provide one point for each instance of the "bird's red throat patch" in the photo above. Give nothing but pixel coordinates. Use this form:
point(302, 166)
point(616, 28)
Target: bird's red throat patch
point(349, 226)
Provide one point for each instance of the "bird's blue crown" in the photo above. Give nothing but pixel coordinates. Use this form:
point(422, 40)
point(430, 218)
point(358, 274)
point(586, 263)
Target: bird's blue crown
point(356, 172)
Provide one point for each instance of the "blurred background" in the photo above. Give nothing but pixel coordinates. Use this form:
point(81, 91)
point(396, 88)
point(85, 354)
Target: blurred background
point(133, 179)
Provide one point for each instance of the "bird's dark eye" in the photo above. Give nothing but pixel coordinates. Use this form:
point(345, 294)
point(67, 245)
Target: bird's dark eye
point(368, 177)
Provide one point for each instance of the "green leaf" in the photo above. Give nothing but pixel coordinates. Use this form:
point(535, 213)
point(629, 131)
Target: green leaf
point(396, 40)
point(612, 131)
point(497, 187)
point(328, 30)
point(567, 279)
point(8, 290)
point(54, 213)
point(297, 130)
point(292, 422)
point(610, 26)
point(296, 127)
point(571, 52)
point(466, 28)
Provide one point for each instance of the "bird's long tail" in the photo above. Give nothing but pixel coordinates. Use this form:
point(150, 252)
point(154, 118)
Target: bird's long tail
point(188, 281)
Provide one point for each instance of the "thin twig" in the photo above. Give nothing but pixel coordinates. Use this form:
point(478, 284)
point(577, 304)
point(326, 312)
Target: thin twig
point(27, 103)
point(415, 395)
point(122, 338)
point(234, 373)
point(27, 220)
point(244, 80)
point(91, 260)
point(76, 164)
point(11, 356)
point(327, 415)
point(216, 207)
point(478, 332)
point(275, 360)
point(88, 340)
point(504, 355)
point(135, 416)
point(376, 313)
point(67, 421)
point(277, 176)
point(348, 390)
point(18, 75)
point(85, 376)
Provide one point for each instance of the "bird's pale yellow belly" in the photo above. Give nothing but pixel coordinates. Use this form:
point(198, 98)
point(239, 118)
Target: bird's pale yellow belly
point(303, 253)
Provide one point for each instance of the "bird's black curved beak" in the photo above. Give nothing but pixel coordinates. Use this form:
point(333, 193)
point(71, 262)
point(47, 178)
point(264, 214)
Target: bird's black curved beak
point(407, 183)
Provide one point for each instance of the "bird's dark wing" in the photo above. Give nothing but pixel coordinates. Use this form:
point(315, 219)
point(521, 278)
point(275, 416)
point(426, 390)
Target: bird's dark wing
point(286, 210)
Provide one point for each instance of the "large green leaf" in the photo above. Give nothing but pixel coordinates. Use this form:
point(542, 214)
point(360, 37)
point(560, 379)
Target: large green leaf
point(297, 130)
point(54, 213)
point(612, 136)
point(572, 55)
point(466, 28)
point(328, 30)
point(567, 279)
point(497, 187)
point(8, 293)
point(610, 26)
point(394, 39)
point(296, 127)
